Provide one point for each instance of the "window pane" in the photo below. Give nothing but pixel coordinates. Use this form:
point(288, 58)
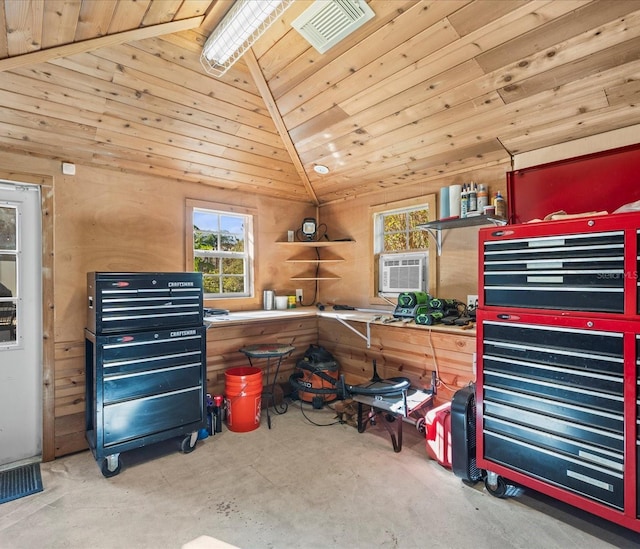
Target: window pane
point(233, 284)
point(233, 266)
point(418, 240)
point(395, 242)
point(417, 217)
point(207, 265)
point(395, 222)
point(7, 228)
point(211, 284)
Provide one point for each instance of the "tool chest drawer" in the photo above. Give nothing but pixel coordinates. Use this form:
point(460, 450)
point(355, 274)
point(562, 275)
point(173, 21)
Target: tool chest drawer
point(553, 400)
point(119, 302)
point(578, 265)
point(144, 384)
point(582, 272)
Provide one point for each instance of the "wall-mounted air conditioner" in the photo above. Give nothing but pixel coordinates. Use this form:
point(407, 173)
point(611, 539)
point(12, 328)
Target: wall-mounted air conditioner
point(403, 272)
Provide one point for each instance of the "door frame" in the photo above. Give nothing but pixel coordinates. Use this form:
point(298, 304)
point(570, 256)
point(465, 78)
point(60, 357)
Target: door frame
point(48, 340)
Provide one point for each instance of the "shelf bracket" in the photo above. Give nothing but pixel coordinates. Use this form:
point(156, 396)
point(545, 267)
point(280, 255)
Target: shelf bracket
point(437, 236)
point(367, 337)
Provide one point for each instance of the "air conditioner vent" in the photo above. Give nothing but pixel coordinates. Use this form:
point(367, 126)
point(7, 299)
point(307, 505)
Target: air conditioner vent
point(327, 22)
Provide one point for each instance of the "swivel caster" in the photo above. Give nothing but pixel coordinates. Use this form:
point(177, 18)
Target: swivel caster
point(111, 465)
point(188, 443)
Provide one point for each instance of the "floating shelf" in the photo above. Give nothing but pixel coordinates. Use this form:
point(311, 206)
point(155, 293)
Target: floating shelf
point(306, 258)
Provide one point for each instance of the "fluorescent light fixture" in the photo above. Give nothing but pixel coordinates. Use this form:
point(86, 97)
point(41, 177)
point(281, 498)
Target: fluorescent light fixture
point(245, 22)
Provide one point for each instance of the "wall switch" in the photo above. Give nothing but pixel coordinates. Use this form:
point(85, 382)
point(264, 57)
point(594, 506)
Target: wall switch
point(299, 295)
point(472, 301)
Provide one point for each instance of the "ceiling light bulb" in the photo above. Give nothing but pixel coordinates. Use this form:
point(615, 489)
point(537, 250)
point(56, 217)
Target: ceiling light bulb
point(319, 168)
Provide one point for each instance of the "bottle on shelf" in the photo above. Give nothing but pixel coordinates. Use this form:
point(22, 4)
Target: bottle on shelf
point(482, 198)
point(473, 197)
point(464, 201)
point(501, 205)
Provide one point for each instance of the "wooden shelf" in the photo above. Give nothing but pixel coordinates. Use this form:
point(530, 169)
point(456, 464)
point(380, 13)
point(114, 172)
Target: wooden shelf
point(307, 258)
point(315, 244)
point(315, 278)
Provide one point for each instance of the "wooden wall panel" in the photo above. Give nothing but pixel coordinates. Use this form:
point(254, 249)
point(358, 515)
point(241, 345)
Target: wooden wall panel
point(225, 341)
point(457, 267)
point(407, 351)
point(105, 220)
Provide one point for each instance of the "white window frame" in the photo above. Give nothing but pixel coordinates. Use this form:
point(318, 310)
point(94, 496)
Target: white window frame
point(377, 212)
point(248, 217)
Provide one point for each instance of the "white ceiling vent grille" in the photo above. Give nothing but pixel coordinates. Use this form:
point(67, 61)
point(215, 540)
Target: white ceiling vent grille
point(327, 22)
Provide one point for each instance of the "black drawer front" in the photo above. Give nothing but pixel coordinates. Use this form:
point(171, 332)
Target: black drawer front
point(550, 377)
point(544, 440)
point(604, 244)
point(142, 417)
point(121, 302)
point(583, 272)
point(595, 482)
point(571, 299)
point(129, 386)
point(561, 420)
point(550, 280)
point(589, 343)
point(519, 393)
point(143, 351)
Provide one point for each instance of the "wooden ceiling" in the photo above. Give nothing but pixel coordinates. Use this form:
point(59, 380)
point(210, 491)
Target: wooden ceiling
point(424, 88)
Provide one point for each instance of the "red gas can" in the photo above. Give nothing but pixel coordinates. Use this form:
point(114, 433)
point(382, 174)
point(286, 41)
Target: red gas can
point(438, 433)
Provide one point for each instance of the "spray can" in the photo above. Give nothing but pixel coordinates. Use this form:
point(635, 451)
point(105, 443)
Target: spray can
point(483, 198)
point(218, 403)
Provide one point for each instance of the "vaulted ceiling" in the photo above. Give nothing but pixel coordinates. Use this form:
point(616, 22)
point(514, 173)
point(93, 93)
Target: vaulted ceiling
point(424, 88)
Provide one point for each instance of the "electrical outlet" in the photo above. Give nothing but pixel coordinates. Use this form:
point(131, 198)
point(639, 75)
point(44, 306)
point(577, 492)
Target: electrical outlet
point(299, 297)
point(472, 301)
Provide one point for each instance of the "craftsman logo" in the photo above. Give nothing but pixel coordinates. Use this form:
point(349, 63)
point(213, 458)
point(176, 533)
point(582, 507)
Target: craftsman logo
point(181, 333)
point(180, 284)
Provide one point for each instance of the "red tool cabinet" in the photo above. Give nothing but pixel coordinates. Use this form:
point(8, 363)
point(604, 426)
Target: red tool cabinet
point(558, 360)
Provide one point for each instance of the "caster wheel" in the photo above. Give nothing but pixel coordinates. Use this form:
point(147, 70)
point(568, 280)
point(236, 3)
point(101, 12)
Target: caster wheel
point(111, 466)
point(500, 489)
point(186, 446)
point(390, 418)
point(421, 426)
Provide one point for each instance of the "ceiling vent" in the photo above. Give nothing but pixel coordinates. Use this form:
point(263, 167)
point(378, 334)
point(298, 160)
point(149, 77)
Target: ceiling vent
point(327, 22)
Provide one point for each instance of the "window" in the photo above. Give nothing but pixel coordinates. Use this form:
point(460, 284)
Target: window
point(396, 232)
point(222, 249)
point(9, 258)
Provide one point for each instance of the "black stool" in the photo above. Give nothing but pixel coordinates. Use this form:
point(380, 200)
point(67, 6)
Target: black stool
point(270, 351)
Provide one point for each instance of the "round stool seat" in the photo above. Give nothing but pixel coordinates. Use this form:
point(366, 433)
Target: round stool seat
point(267, 350)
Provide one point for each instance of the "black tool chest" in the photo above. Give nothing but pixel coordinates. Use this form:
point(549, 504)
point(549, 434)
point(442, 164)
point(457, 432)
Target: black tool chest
point(145, 362)
point(559, 361)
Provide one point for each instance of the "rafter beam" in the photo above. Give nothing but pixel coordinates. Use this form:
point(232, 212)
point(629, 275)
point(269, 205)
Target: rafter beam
point(270, 102)
point(42, 56)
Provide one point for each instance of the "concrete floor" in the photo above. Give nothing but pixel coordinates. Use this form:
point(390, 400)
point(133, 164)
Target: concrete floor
point(294, 486)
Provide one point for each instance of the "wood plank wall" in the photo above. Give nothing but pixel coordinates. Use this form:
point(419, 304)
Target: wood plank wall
point(106, 220)
point(457, 267)
point(225, 341)
point(412, 352)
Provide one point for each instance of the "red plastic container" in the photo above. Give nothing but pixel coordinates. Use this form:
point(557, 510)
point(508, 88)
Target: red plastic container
point(438, 434)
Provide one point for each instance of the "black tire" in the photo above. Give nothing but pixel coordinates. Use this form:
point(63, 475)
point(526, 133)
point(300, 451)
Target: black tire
point(185, 445)
point(421, 426)
point(106, 472)
point(500, 490)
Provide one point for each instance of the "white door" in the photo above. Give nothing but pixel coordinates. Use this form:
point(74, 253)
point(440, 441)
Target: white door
point(20, 324)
